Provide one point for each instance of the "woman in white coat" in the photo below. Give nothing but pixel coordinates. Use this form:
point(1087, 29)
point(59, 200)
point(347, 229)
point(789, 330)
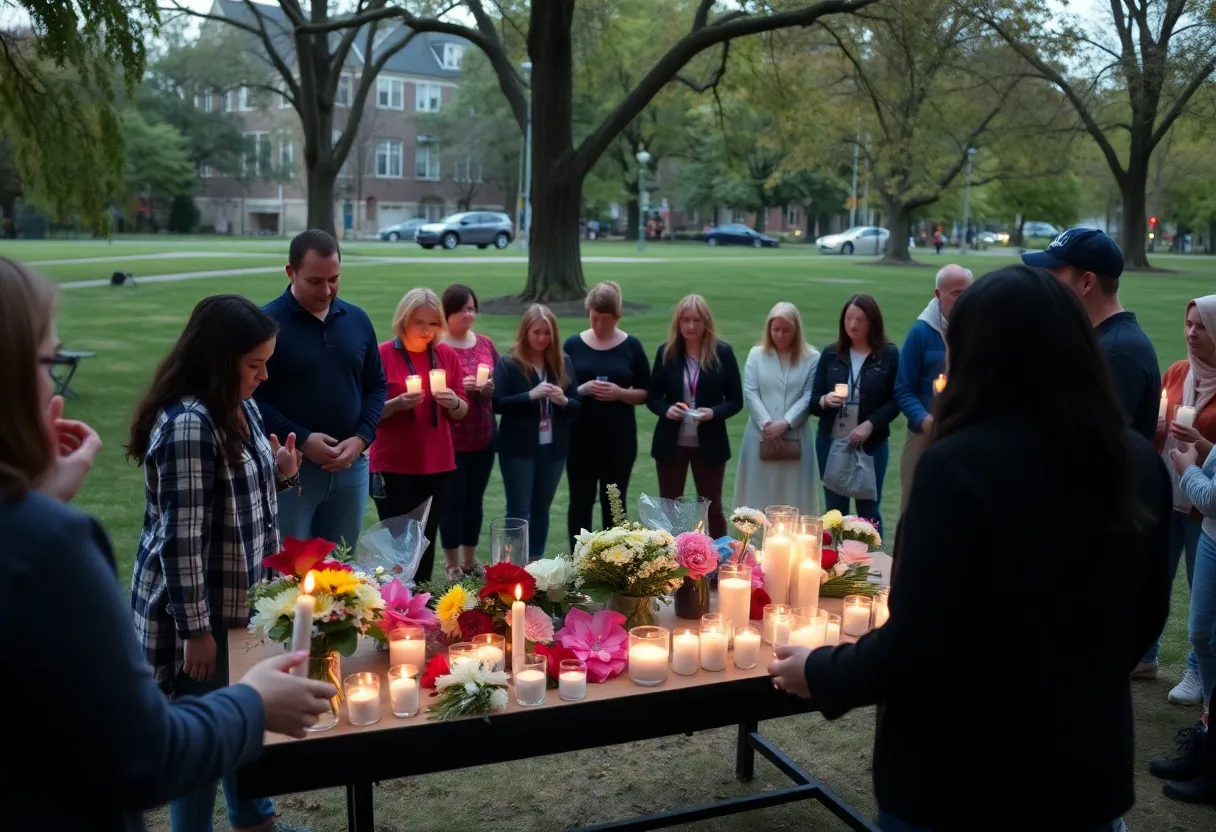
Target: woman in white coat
point(777, 460)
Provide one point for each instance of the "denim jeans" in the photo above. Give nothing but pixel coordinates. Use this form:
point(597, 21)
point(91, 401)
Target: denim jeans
point(890, 823)
point(460, 523)
point(193, 813)
point(1184, 537)
point(1202, 622)
point(530, 483)
point(867, 509)
point(326, 505)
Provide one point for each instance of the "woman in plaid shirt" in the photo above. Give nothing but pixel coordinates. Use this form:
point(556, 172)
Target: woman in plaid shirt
point(211, 477)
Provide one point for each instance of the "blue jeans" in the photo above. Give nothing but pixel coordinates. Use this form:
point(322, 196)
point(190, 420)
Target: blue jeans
point(1202, 622)
point(530, 483)
point(890, 823)
point(326, 505)
point(1184, 537)
point(867, 509)
point(460, 523)
point(193, 813)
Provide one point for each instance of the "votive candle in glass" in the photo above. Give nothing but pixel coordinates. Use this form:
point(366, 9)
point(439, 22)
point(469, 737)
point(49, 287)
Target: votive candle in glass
point(747, 647)
point(491, 649)
point(777, 623)
point(648, 650)
point(735, 592)
point(362, 698)
point(439, 380)
point(463, 650)
point(881, 610)
point(403, 689)
point(685, 651)
point(572, 679)
point(483, 374)
point(810, 627)
point(413, 384)
point(715, 636)
point(407, 645)
point(856, 616)
point(1185, 416)
point(531, 680)
point(842, 390)
point(833, 630)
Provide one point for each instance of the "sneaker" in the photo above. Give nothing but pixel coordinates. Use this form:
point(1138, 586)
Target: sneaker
point(1146, 670)
point(1187, 762)
point(1188, 691)
point(1202, 787)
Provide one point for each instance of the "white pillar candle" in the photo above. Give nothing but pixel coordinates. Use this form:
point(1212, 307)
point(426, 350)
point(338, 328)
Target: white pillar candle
point(301, 626)
point(517, 628)
point(530, 686)
point(735, 600)
point(404, 695)
point(842, 390)
point(713, 650)
point(492, 656)
point(647, 664)
point(856, 621)
point(407, 650)
point(684, 649)
point(747, 649)
point(833, 633)
point(413, 384)
point(1165, 401)
point(809, 636)
point(363, 705)
point(439, 380)
point(777, 568)
point(1185, 416)
point(803, 548)
point(483, 374)
point(572, 684)
point(808, 583)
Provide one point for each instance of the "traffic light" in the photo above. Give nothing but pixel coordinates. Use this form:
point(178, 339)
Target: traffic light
point(1152, 222)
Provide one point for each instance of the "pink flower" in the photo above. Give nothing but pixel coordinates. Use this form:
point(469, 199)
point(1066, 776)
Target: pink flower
point(757, 568)
point(401, 609)
point(854, 552)
point(598, 639)
point(538, 627)
point(696, 553)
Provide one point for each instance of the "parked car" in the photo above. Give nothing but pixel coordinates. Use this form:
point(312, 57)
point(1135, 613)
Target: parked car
point(862, 239)
point(469, 228)
point(402, 230)
point(737, 234)
point(1040, 229)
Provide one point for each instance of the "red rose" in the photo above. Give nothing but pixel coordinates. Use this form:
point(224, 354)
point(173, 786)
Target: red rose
point(829, 558)
point(557, 654)
point(438, 667)
point(827, 538)
point(760, 600)
point(501, 580)
point(300, 556)
point(474, 623)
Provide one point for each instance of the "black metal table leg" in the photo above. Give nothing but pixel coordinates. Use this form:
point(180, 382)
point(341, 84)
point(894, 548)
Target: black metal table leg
point(360, 815)
point(745, 754)
point(64, 383)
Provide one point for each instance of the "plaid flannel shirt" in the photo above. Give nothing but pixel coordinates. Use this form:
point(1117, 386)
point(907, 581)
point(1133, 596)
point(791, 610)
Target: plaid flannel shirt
point(207, 526)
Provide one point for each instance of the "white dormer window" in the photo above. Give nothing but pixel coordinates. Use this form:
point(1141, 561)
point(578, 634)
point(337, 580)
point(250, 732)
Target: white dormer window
point(453, 54)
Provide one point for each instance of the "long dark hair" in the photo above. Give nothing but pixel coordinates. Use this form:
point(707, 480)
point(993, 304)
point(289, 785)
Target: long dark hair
point(1020, 347)
point(878, 333)
point(204, 364)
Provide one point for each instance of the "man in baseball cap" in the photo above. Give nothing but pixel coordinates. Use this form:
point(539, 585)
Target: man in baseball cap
point(1089, 262)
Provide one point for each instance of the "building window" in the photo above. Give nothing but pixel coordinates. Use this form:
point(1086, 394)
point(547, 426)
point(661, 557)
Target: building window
point(388, 159)
point(206, 172)
point(432, 211)
point(228, 101)
point(247, 100)
point(284, 101)
point(256, 162)
point(287, 157)
point(453, 54)
point(208, 104)
point(428, 98)
point(390, 94)
point(426, 159)
point(467, 169)
point(343, 95)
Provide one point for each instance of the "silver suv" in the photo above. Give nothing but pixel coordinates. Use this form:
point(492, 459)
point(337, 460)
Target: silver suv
point(471, 228)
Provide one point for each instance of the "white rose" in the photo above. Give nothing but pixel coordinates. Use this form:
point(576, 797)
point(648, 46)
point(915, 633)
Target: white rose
point(552, 575)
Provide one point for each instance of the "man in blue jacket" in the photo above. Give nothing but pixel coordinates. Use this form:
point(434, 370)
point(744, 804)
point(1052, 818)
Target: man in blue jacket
point(921, 361)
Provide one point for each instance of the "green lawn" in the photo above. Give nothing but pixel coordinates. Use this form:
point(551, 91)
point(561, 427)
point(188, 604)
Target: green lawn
point(131, 328)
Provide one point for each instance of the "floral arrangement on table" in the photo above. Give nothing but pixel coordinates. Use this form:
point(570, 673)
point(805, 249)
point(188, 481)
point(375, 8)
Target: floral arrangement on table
point(470, 687)
point(695, 552)
point(627, 565)
point(748, 521)
point(600, 640)
point(848, 542)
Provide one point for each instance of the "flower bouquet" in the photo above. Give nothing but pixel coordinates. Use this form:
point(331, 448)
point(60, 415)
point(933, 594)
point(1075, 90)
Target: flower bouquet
point(696, 553)
point(748, 521)
point(628, 566)
point(468, 688)
point(847, 545)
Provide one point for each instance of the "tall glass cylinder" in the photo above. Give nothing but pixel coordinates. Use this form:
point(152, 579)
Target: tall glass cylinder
point(806, 559)
point(735, 592)
point(509, 541)
point(648, 651)
point(778, 544)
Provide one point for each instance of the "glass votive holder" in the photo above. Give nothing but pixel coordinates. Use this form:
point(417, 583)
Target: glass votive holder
point(407, 645)
point(777, 623)
point(747, 647)
point(685, 650)
point(855, 620)
point(833, 630)
point(403, 693)
point(882, 610)
point(735, 592)
point(531, 680)
point(572, 679)
point(810, 627)
point(491, 649)
point(362, 698)
point(715, 638)
point(463, 650)
point(648, 650)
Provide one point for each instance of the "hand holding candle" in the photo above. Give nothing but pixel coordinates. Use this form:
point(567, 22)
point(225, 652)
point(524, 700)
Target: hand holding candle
point(301, 628)
point(413, 384)
point(483, 374)
point(439, 380)
point(939, 383)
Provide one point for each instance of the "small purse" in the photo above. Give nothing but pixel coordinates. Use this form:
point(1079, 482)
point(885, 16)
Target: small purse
point(789, 450)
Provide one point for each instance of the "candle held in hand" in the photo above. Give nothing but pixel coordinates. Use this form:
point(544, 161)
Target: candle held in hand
point(483, 374)
point(842, 390)
point(439, 381)
point(1161, 411)
point(301, 628)
point(413, 384)
point(1185, 416)
point(939, 383)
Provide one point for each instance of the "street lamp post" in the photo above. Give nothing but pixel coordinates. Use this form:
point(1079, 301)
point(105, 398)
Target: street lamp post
point(526, 185)
point(962, 241)
point(643, 158)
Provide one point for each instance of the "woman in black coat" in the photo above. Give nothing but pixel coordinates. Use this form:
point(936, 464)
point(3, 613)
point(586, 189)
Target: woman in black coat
point(694, 388)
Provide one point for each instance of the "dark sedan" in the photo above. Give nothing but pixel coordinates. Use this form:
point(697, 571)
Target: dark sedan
point(739, 235)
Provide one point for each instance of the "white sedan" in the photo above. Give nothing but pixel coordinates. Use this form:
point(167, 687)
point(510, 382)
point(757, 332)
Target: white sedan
point(861, 239)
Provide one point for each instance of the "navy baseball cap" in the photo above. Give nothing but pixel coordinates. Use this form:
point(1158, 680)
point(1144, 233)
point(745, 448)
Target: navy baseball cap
point(1085, 248)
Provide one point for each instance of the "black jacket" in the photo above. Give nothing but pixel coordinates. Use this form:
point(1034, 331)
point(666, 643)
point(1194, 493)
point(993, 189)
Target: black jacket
point(878, 403)
point(719, 389)
point(1007, 610)
point(519, 429)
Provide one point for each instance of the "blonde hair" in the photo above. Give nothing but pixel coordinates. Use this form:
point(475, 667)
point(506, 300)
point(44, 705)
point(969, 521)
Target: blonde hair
point(26, 317)
point(418, 298)
point(604, 298)
point(554, 360)
point(787, 312)
point(708, 356)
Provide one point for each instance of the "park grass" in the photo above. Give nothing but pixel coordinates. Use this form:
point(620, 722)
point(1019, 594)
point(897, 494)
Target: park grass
point(130, 329)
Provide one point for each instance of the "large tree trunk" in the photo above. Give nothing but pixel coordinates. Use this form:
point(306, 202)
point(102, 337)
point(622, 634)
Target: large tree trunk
point(762, 219)
point(321, 199)
point(897, 232)
point(1134, 231)
point(632, 211)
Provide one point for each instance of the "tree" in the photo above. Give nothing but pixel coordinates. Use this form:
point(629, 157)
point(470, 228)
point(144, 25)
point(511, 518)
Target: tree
point(57, 89)
point(559, 165)
point(1055, 199)
point(1159, 53)
point(158, 164)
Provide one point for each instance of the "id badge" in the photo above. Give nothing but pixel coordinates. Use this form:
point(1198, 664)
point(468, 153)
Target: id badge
point(546, 424)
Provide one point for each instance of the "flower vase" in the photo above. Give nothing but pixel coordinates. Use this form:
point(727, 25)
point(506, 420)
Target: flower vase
point(638, 612)
point(692, 598)
point(327, 667)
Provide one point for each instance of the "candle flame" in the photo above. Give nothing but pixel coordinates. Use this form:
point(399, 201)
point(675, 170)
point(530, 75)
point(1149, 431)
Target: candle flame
point(310, 581)
point(939, 383)
point(519, 592)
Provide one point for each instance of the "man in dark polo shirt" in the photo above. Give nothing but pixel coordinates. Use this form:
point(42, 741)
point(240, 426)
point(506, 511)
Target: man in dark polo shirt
point(1089, 262)
point(326, 385)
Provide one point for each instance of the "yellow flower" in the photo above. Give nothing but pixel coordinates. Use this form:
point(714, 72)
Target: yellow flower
point(833, 519)
point(451, 605)
point(336, 582)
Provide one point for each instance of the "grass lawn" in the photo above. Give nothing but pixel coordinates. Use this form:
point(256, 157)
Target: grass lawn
point(130, 329)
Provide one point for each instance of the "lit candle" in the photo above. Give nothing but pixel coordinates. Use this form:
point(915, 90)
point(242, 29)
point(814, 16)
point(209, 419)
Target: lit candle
point(301, 628)
point(779, 628)
point(647, 664)
point(1185, 416)
point(517, 628)
point(713, 650)
point(530, 686)
point(777, 566)
point(439, 380)
point(809, 636)
point(856, 618)
point(1165, 400)
point(404, 695)
point(413, 384)
point(842, 390)
point(735, 593)
point(808, 583)
point(803, 548)
point(939, 383)
point(747, 648)
point(572, 680)
point(363, 705)
point(406, 647)
point(833, 631)
point(483, 374)
point(685, 645)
